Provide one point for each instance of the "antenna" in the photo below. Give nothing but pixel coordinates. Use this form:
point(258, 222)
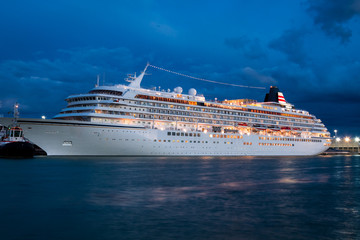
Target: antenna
point(97, 80)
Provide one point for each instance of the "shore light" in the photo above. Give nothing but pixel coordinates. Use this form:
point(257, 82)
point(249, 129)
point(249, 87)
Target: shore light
point(347, 139)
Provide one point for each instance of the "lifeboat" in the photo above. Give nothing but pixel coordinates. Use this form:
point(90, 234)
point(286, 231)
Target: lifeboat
point(274, 128)
point(286, 128)
point(259, 127)
point(242, 124)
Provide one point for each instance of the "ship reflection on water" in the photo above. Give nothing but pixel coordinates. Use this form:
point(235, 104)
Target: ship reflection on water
point(181, 198)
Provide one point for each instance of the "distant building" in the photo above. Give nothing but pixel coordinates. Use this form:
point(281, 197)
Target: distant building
point(347, 144)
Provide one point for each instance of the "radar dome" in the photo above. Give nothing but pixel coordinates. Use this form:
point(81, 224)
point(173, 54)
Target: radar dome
point(178, 90)
point(192, 92)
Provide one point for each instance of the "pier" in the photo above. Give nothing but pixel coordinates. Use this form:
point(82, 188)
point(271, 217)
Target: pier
point(345, 145)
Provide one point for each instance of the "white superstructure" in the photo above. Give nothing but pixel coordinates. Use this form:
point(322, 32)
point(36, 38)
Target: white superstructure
point(130, 120)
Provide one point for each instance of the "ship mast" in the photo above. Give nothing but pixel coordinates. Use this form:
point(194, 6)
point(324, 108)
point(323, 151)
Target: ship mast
point(16, 113)
point(135, 81)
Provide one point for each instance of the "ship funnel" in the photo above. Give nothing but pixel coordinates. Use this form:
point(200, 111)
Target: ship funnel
point(275, 95)
point(272, 96)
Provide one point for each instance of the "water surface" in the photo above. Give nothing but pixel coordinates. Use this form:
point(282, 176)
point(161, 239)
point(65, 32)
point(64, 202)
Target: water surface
point(180, 198)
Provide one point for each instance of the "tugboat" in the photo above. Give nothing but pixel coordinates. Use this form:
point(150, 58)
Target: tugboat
point(12, 141)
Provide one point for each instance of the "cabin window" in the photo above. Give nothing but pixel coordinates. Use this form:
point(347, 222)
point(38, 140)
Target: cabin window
point(17, 133)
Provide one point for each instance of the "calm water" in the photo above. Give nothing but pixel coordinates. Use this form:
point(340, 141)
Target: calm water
point(180, 198)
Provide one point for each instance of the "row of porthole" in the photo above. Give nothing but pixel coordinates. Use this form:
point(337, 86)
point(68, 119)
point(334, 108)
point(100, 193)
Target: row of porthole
point(182, 134)
point(183, 141)
point(277, 144)
point(289, 139)
point(186, 141)
point(226, 136)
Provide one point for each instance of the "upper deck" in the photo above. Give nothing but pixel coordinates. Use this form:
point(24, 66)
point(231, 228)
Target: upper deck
point(134, 102)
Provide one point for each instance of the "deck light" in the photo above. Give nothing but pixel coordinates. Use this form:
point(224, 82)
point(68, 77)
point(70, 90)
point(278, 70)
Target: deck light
point(43, 117)
point(357, 139)
point(347, 139)
point(338, 139)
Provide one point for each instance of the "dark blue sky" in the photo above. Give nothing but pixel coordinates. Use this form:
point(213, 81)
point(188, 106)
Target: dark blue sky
point(308, 48)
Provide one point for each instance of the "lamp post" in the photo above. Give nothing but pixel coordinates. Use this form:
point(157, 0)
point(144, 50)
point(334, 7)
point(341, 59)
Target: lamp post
point(335, 131)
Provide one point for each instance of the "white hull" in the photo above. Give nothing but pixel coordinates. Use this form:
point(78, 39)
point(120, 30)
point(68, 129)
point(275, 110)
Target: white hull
point(61, 138)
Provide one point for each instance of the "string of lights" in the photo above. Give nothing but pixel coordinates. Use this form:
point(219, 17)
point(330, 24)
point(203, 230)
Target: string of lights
point(203, 79)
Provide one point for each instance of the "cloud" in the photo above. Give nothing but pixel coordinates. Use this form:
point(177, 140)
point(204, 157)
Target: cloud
point(251, 49)
point(164, 29)
point(291, 44)
point(41, 85)
point(332, 15)
point(250, 73)
point(328, 92)
point(333, 85)
point(340, 85)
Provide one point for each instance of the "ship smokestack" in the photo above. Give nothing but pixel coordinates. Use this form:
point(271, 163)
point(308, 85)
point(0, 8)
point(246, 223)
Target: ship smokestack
point(272, 96)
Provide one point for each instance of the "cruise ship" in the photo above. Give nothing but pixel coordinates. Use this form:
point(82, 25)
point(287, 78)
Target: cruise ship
point(128, 120)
